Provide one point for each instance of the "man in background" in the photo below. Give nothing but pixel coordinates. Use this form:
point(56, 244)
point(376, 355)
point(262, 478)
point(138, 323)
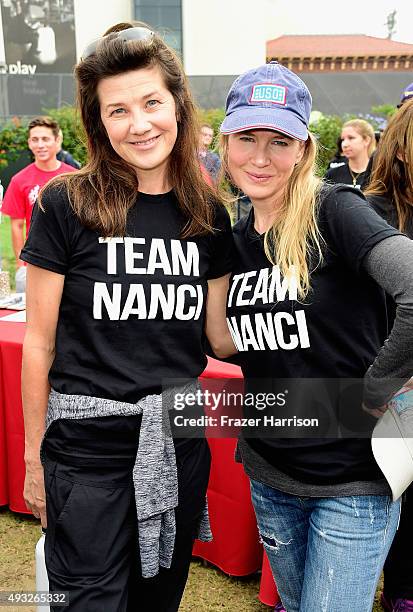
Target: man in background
point(208, 158)
point(44, 143)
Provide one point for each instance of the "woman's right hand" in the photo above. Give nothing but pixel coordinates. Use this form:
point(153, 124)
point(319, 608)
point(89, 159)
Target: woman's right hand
point(34, 492)
point(43, 297)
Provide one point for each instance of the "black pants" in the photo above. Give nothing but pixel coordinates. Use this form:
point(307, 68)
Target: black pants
point(91, 544)
point(398, 569)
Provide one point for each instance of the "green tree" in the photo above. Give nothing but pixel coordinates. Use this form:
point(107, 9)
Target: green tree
point(327, 129)
point(385, 110)
point(74, 138)
point(213, 117)
point(13, 140)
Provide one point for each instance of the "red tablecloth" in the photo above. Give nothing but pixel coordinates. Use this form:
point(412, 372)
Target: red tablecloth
point(235, 548)
point(4, 498)
point(11, 426)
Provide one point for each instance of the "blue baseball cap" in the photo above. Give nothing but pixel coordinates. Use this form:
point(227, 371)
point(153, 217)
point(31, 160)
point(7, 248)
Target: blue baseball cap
point(407, 93)
point(268, 97)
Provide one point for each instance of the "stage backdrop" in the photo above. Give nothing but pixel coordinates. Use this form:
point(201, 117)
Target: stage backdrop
point(37, 49)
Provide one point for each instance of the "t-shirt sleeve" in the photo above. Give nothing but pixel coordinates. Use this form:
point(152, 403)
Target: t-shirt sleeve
point(391, 265)
point(335, 175)
point(51, 231)
point(352, 227)
point(329, 175)
point(221, 245)
point(13, 202)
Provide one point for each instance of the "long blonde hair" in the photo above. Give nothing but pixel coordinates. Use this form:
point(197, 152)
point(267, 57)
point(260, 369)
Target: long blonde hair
point(294, 241)
point(365, 130)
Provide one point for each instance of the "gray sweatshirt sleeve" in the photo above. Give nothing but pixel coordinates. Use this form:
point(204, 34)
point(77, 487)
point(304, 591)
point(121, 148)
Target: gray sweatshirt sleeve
point(390, 263)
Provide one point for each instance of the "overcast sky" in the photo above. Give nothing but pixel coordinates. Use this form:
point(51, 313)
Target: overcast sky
point(344, 17)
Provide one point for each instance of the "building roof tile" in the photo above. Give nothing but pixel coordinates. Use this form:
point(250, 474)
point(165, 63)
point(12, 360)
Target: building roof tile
point(341, 45)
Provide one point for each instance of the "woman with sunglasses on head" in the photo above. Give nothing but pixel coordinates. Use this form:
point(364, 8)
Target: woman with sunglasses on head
point(128, 264)
point(390, 193)
point(306, 307)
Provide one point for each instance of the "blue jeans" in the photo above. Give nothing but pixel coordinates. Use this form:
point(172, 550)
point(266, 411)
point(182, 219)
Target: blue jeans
point(326, 553)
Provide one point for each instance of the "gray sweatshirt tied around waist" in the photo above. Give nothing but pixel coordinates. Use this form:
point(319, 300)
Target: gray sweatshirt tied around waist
point(154, 473)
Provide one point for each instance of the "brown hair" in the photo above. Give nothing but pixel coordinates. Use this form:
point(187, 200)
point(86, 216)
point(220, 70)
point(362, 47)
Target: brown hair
point(365, 130)
point(392, 174)
point(102, 192)
point(44, 121)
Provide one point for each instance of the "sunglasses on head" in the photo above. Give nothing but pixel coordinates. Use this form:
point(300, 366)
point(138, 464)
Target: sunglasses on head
point(138, 33)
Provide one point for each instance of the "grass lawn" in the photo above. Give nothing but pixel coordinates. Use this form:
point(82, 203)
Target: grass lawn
point(6, 251)
point(208, 589)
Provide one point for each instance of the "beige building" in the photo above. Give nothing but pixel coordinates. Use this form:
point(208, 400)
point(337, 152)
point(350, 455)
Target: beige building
point(340, 53)
point(217, 40)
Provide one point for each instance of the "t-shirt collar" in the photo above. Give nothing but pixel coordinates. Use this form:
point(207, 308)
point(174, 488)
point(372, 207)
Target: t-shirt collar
point(251, 233)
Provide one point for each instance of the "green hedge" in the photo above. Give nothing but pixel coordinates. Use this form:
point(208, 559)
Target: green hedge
point(13, 136)
point(326, 129)
point(74, 138)
point(13, 140)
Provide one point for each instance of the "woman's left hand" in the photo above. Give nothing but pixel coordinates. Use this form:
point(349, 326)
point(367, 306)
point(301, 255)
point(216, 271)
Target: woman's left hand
point(378, 412)
point(375, 412)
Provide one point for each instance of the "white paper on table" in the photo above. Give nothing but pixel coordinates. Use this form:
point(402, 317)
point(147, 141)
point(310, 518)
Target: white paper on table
point(14, 301)
point(19, 316)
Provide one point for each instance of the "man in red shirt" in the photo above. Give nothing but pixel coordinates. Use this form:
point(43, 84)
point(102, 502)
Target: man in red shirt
point(21, 194)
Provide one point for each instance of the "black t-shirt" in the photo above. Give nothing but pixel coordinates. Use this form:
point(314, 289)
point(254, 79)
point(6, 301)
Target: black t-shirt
point(341, 174)
point(386, 209)
point(336, 333)
point(132, 310)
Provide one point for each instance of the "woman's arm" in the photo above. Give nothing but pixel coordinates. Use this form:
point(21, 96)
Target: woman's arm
point(216, 327)
point(17, 238)
point(390, 263)
point(44, 291)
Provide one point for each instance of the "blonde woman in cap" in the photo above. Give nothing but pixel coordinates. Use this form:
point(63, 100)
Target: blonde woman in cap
point(307, 312)
point(357, 143)
point(128, 266)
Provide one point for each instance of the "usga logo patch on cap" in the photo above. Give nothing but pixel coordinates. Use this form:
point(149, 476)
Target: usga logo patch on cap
point(268, 92)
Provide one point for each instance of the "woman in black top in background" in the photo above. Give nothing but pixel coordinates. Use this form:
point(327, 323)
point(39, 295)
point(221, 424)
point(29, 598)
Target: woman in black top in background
point(358, 143)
